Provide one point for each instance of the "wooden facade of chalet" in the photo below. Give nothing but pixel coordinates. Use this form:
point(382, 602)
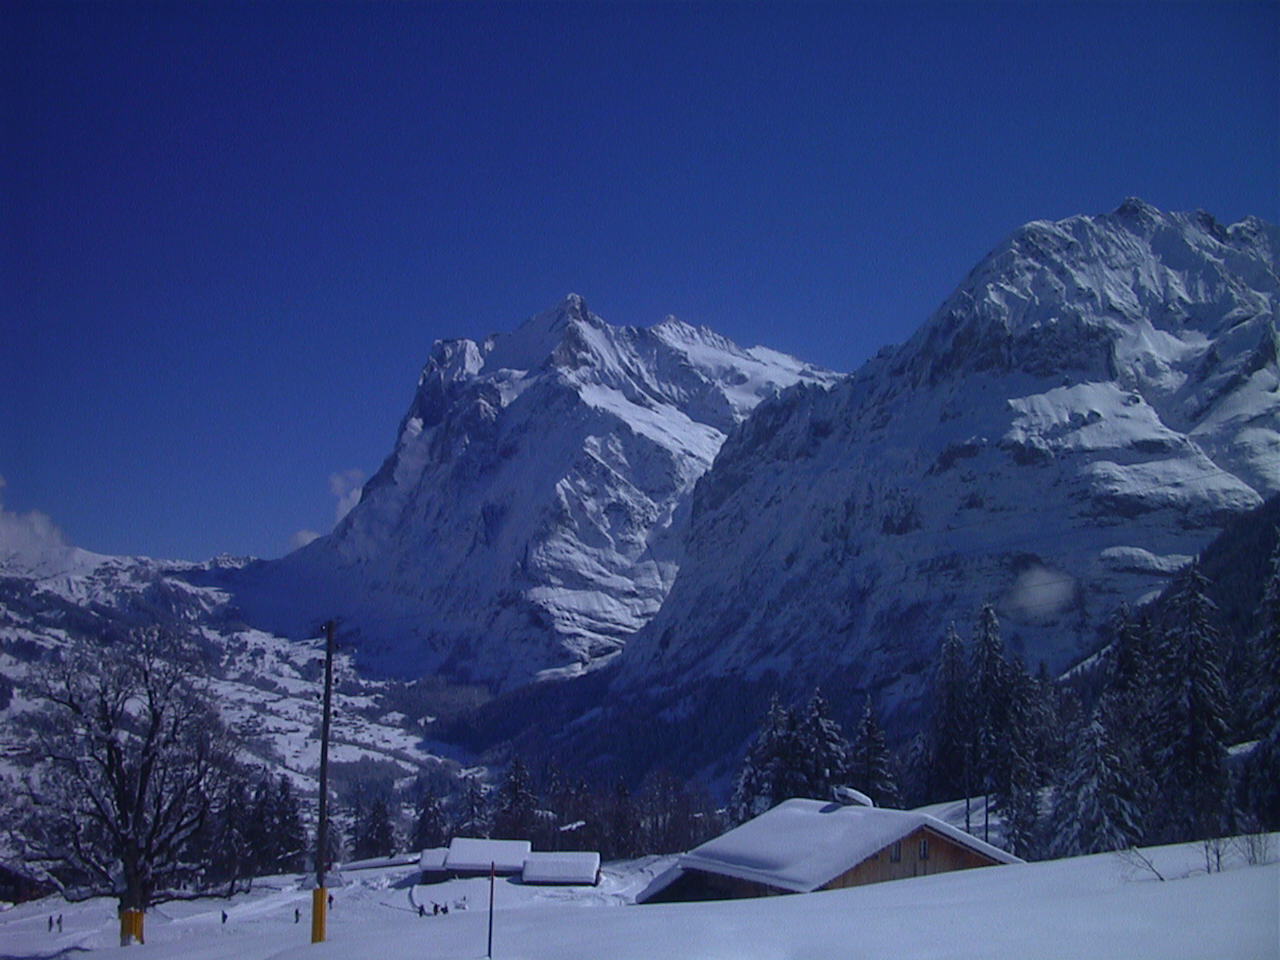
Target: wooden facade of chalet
point(918, 854)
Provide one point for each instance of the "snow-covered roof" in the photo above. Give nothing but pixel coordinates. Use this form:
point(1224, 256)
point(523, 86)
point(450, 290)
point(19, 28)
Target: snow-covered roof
point(432, 859)
point(475, 855)
point(372, 863)
point(566, 867)
point(659, 883)
point(800, 845)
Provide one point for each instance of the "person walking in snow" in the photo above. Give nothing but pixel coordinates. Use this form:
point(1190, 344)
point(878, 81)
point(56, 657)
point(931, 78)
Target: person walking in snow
point(59, 923)
point(297, 915)
point(51, 923)
point(224, 916)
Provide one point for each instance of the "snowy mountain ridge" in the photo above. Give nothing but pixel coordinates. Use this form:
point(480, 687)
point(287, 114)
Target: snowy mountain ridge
point(1071, 427)
point(530, 516)
point(266, 687)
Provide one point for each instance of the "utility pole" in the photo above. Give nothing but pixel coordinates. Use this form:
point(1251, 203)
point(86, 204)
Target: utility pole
point(319, 903)
point(493, 869)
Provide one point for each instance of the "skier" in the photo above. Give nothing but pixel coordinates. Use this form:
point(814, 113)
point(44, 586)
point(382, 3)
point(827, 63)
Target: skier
point(422, 910)
point(59, 923)
point(224, 916)
point(297, 915)
point(51, 923)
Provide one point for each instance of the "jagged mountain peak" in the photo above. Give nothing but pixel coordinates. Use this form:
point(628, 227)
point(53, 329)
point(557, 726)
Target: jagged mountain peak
point(530, 516)
point(1075, 294)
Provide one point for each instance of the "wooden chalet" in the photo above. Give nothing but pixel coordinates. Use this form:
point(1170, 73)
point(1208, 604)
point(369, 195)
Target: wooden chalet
point(805, 845)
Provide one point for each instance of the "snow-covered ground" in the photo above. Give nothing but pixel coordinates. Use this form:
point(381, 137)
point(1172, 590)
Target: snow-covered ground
point(1088, 907)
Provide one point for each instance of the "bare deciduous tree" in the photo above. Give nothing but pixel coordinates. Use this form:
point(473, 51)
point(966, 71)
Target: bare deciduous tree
point(125, 752)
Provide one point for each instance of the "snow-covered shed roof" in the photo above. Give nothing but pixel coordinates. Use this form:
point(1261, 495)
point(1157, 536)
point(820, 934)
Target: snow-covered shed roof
point(659, 883)
point(474, 855)
point(565, 867)
point(432, 859)
point(800, 845)
point(371, 863)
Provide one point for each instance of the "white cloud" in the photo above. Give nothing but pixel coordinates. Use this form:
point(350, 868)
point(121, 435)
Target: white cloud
point(31, 540)
point(302, 538)
point(1040, 594)
point(347, 487)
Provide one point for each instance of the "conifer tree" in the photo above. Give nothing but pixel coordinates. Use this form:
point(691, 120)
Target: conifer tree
point(286, 819)
point(759, 785)
point(990, 705)
point(515, 806)
point(623, 835)
point(430, 828)
point(275, 831)
point(1261, 777)
point(257, 829)
point(1098, 806)
point(1267, 651)
point(950, 724)
point(821, 756)
point(1017, 788)
point(373, 834)
point(474, 819)
point(1191, 728)
point(870, 768)
point(230, 858)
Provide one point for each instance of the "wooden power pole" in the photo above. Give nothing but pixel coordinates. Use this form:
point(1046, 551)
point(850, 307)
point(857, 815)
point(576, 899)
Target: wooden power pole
point(319, 901)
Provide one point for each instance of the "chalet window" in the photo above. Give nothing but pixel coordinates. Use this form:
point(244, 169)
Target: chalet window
point(895, 854)
point(924, 849)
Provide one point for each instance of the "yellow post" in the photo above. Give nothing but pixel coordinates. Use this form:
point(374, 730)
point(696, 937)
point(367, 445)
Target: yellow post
point(131, 927)
point(319, 906)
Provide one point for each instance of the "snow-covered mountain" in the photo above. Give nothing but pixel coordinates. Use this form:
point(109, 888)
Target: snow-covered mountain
point(532, 513)
point(267, 687)
point(1071, 426)
point(1093, 404)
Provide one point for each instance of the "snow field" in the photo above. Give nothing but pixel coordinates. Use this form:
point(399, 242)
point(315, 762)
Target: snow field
point(1087, 908)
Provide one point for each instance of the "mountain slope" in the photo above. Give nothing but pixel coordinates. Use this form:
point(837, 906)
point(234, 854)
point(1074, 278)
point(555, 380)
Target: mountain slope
point(531, 515)
point(267, 687)
point(1072, 425)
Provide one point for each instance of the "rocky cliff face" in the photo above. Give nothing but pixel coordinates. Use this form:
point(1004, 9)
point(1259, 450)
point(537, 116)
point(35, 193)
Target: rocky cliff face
point(1078, 420)
point(532, 513)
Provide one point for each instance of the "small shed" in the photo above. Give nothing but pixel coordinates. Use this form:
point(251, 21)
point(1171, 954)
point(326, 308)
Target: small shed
point(804, 845)
point(567, 868)
point(472, 856)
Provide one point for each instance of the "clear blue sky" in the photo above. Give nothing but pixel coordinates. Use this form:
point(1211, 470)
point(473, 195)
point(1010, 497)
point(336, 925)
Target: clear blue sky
point(231, 233)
